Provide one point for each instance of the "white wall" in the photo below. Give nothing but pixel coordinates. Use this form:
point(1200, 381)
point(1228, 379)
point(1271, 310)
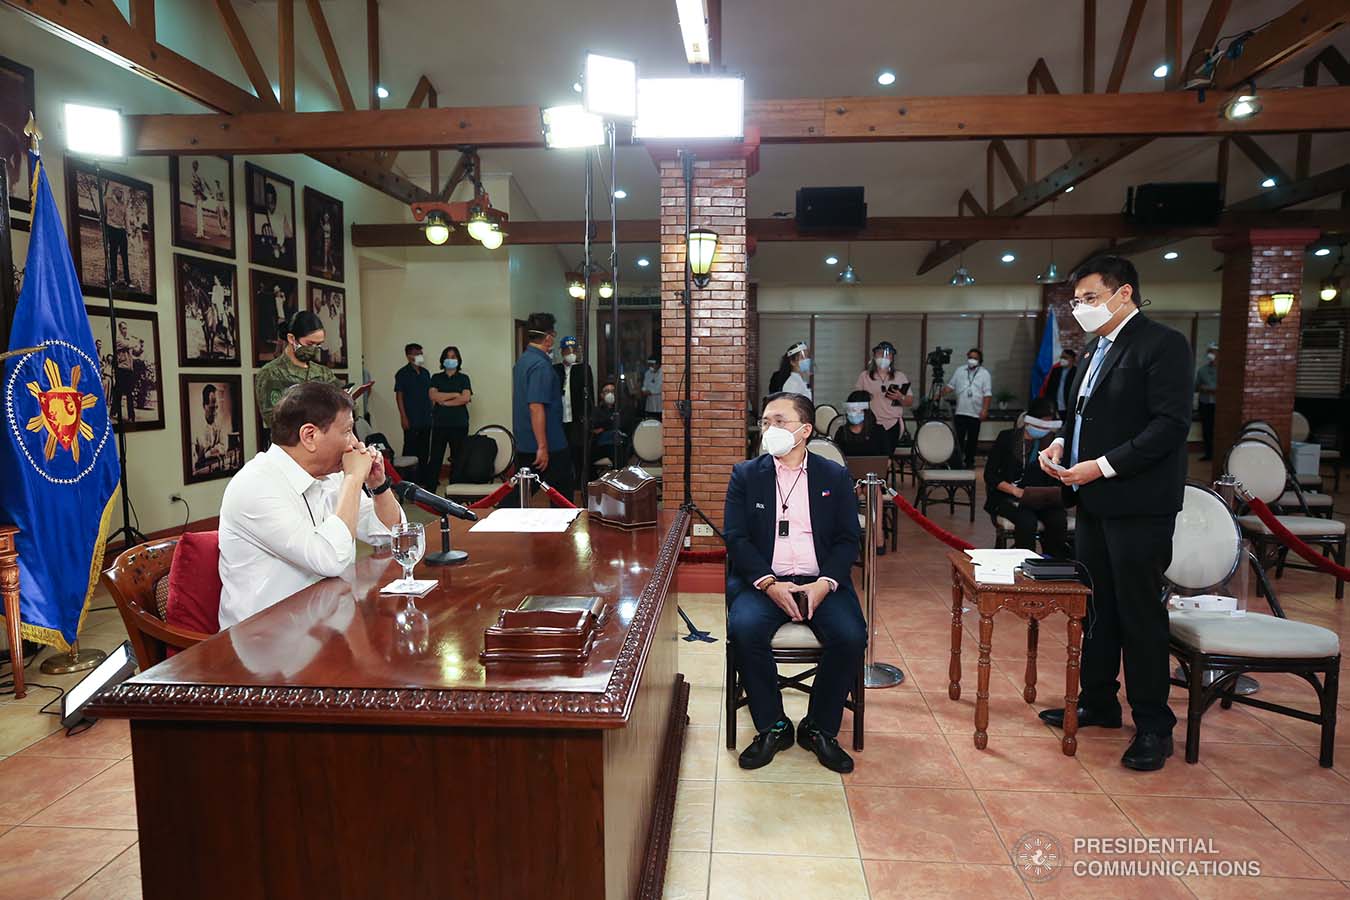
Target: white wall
point(64, 72)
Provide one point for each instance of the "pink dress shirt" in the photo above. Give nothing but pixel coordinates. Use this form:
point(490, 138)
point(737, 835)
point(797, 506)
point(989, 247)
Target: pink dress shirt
point(796, 553)
point(886, 413)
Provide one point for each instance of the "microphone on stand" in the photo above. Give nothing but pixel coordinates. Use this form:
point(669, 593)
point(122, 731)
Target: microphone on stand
point(409, 492)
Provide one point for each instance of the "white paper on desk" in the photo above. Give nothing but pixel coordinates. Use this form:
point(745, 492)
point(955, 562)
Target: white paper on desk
point(529, 520)
point(412, 588)
point(1001, 559)
point(995, 575)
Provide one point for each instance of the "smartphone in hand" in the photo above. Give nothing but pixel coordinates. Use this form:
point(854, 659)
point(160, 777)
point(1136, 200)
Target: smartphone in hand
point(904, 388)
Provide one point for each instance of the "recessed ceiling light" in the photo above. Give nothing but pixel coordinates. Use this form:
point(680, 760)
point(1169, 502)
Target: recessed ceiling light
point(576, 86)
point(1161, 71)
point(620, 194)
point(1171, 254)
point(831, 260)
point(1268, 183)
point(644, 262)
point(1009, 257)
point(1322, 251)
point(1069, 189)
point(382, 92)
point(886, 78)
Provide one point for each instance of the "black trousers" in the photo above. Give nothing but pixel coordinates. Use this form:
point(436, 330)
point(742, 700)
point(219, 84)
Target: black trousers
point(1207, 428)
point(417, 442)
point(442, 436)
point(1126, 558)
point(1025, 520)
point(117, 249)
point(576, 434)
point(890, 437)
point(967, 438)
point(839, 626)
point(558, 474)
point(126, 393)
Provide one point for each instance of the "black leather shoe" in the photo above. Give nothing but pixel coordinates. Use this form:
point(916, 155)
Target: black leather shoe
point(1147, 752)
point(1087, 718)
point(826, 748)
point(767, 743)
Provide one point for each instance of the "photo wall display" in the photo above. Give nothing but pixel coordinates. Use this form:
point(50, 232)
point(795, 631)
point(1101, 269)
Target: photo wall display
point(201, 191)
point(213, 426)
point(270, 202)
point(275, 299)
point(130, 232)
point(330, 305)
point(130, 361)
point(207, 317)
point(17, 99)
point(324, 243)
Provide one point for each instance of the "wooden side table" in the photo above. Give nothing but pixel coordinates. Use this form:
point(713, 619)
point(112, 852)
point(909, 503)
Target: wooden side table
point(1032, 600)
point(9, 590)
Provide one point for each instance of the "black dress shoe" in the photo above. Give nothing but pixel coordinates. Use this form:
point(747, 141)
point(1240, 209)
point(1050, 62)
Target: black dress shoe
point(1087, 718)
point(1147, 752)
point(826, 748)
point(767, 743)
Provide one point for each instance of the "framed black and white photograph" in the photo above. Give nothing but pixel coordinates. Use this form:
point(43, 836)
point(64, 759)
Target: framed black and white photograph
point(130, 206)
point(201, 189)
point(207, 304)
point(323, 236)
point(275, 300)
point(330, 305)
point(270, 202)
point(130, 362)
point(17, 100)
point(213, 426)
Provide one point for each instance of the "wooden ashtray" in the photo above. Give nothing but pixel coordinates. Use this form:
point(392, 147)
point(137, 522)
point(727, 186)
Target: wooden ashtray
point(544, 629)
point(624, 498)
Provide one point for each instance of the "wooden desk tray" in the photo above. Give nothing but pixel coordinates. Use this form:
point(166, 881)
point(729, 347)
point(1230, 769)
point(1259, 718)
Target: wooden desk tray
point(544, 629)
point(624, 498)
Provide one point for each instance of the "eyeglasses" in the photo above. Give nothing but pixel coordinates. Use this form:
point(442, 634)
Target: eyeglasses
point(1092, 299)
point(779, 422)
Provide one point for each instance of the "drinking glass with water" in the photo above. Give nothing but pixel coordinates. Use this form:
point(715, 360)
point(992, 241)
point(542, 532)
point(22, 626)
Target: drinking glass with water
point(408, 543)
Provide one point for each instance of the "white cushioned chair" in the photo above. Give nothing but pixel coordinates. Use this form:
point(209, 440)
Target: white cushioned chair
point(1216, 648)
point(934, 445)
point(825, 448)
point(501, 466)
point(825, 414)
point(648, 446)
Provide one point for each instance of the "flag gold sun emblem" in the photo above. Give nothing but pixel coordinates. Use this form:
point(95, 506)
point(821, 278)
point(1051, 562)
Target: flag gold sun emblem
point(61, 411)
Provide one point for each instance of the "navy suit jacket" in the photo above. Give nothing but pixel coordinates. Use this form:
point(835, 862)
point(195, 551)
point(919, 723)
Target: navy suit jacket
point(751, 521)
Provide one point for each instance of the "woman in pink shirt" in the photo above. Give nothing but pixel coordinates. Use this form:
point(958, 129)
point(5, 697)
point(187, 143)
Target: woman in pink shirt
point(889, 392)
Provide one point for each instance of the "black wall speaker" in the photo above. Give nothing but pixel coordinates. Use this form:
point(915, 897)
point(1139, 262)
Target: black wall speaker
point(830, 209)
point(1174, 203)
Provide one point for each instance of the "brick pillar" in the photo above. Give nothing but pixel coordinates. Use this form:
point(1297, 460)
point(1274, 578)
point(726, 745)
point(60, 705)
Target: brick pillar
point(1056, 297)
point(719, 333)
point(1257, 361)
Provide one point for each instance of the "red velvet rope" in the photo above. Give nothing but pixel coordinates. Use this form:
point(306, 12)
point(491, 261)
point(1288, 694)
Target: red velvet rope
point(558, 498)
point(1295, 543)
point(493, 498)
point(931, 527)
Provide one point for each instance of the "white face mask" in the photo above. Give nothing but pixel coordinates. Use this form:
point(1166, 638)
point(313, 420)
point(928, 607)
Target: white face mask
point(609, 398)
point(972, 362)
point(570, 359)
point(1210, 356)
point(883, 363)
point(419, 359)
point(1091, 318)
point(777, 441)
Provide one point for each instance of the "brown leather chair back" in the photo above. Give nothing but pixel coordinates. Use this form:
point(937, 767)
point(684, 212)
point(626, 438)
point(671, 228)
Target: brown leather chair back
point(131, 580)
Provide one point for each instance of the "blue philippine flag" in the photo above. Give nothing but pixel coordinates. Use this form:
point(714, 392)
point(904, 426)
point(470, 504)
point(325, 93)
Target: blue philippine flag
point(59, 475)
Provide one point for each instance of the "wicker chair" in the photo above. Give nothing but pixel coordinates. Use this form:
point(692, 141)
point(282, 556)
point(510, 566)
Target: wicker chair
point(138, 581)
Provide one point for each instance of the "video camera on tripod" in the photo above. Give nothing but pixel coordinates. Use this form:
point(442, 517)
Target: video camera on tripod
point(931, 408)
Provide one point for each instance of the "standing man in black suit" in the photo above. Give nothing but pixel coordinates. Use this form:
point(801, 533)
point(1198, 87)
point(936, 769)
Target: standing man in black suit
point(578, 389)
point(1060, 380)
point(1125, 443)
point(792, 530)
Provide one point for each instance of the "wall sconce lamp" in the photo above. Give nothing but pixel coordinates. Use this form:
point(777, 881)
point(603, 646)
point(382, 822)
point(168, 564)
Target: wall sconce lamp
point(1274, 307)
point(700, 250)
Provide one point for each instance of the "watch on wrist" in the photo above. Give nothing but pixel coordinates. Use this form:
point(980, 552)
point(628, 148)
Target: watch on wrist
point(388, 483)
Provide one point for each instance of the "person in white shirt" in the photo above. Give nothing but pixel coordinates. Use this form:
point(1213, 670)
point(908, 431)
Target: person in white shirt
point(973, 387)
point(793, 370)
point(651, 388)
point(293, 514)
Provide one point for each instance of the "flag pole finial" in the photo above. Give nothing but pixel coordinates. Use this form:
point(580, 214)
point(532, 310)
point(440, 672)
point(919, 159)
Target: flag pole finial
point(33, 133)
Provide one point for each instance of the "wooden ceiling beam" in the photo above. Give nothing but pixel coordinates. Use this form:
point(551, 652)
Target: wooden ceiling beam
point(143, 17)
point(1282, 39)
point(286, 53)
point(243, 49)
point(1172, 35)
point(373, 50)
point(1260, 158)
point(1293, 193)
point(1126, 45)
point(1205, 38)
point(1089, 46)
point(114, 39)
point(330, 55)
point(904, 228)
point(853, 119)
point(968, 202)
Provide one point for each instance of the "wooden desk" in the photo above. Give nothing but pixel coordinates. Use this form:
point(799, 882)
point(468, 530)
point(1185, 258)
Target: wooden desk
point(9, 591)
point(1033, 601)
point(315, 750)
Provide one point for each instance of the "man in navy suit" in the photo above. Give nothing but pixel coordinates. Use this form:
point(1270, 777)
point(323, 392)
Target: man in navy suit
point(792, 528)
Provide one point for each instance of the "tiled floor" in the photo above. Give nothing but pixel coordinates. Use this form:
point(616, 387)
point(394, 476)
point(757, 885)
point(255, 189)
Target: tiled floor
point(924, 815)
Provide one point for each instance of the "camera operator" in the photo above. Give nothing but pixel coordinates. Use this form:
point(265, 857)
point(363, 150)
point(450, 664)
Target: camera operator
point(974, 387)
point(888, 394)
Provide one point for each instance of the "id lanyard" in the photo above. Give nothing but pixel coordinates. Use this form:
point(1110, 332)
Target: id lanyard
point(783, 501)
